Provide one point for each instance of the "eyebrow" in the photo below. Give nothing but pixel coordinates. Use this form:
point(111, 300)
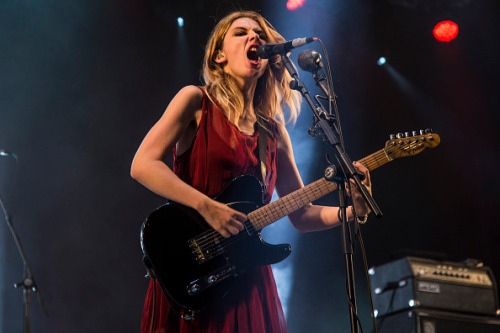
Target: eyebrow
point(257, 30)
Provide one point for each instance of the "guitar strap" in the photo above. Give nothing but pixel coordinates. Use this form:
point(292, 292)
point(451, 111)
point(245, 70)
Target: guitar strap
point(262, 143)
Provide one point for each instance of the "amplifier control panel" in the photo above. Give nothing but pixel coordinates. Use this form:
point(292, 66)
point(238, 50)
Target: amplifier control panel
point(450, 272)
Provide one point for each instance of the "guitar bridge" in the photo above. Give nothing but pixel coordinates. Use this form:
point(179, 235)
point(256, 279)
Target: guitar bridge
point(205, 246)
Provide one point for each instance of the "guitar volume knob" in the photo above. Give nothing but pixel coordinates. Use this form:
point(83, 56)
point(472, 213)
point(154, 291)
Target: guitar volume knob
point(194, 288)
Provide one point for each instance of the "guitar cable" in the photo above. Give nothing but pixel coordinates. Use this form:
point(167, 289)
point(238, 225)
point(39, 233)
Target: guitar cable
point(357, 232)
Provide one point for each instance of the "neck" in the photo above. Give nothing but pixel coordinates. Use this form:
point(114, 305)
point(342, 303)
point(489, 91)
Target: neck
point(248, 90)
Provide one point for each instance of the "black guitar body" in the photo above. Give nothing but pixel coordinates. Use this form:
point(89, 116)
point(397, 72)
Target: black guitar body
point(193, 264)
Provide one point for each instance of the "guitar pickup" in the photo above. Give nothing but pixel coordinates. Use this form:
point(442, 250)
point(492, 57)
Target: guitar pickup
point(205, 247)
point(210, 280)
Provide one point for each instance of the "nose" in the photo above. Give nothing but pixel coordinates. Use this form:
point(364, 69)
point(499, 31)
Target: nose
point(255, 36)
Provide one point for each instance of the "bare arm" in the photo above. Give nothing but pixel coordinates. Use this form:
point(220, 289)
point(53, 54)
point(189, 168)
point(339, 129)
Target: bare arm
point(311, 217)
point(177, 126)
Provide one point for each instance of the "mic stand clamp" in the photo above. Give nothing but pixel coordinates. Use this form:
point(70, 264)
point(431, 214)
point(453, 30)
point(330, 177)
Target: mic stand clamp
point(325, 128)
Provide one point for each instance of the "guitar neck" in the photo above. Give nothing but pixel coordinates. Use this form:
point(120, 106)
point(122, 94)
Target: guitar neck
point(278, 209)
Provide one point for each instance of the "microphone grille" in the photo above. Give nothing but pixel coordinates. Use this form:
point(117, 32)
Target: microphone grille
point(310, 61)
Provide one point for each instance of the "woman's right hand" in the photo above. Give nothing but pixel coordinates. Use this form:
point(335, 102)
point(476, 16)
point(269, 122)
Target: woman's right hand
point(223, 218)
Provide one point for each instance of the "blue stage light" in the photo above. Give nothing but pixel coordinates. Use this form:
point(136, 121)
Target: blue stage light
point(381, 61)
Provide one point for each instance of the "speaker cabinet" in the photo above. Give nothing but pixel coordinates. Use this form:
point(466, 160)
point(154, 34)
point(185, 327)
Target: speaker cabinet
point(432, 321)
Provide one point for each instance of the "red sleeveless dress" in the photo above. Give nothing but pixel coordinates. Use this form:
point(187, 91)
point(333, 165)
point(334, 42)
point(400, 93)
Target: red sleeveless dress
point(220, 153)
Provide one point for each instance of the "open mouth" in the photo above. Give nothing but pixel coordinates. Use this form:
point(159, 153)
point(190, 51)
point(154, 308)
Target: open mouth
point(252, 54)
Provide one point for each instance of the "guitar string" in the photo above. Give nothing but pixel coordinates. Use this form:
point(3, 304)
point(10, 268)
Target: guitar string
point(211, 235)
point(212, 238)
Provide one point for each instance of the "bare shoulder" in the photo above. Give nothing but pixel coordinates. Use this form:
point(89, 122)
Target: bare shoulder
point(189, 97)
point(283, 137)
point(185, 106)
point(191, 92)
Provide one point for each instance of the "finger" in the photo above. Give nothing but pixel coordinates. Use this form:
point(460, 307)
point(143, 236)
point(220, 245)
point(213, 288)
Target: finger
point(224, 233)
point(236, 224)
point(233, 230)
point(240, 226)
point(360, 167)
point(239, 216)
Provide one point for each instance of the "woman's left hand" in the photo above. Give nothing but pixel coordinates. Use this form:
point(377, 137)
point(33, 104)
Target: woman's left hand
point(357, 198)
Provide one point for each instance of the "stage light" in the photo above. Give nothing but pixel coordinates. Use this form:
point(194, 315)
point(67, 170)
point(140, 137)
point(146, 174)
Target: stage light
point(294, 4)
point(445, 31)
point(381, 61)
point(180, 21)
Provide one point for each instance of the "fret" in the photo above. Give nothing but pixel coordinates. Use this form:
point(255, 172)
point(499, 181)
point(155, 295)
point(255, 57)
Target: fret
point(272, 212)
point(280, 208)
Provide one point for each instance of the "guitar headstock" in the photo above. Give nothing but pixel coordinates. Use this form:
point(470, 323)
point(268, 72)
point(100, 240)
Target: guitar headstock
point(402, 145)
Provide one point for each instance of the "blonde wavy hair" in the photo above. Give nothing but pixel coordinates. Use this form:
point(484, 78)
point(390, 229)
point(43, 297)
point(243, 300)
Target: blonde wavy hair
point(273, 90)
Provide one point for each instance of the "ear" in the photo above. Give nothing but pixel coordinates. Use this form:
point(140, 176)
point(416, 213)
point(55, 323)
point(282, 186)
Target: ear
point(220, 57)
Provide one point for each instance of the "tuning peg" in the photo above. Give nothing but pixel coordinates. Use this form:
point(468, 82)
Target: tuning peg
point(428, 130)
point(399, 135)
point(407, 134)
point(413, 133)
point(392, 137)
point(422, 132)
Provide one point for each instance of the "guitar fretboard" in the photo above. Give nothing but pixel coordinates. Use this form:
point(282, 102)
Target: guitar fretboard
point(278, 209)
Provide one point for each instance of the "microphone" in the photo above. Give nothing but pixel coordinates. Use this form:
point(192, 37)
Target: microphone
point(310, 61)
point(268, 50)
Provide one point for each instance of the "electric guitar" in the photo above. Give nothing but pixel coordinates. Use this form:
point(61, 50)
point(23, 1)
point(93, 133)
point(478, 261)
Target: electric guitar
point(195, 266)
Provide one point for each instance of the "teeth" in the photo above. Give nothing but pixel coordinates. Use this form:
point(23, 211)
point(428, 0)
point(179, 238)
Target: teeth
point(253, 48)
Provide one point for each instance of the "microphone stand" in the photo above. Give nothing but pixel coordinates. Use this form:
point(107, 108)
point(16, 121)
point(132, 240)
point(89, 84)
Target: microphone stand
point(329, 132)
point(29, 282)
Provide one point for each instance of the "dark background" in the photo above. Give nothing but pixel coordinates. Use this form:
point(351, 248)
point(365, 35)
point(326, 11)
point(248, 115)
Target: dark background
point(82, 82)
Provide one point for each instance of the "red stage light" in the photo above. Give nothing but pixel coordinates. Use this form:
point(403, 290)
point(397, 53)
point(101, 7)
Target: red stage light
point(294, 4)
point(445, 31)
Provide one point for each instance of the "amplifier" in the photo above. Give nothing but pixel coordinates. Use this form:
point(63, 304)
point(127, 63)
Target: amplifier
point(412, 282)
point(428, 321)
